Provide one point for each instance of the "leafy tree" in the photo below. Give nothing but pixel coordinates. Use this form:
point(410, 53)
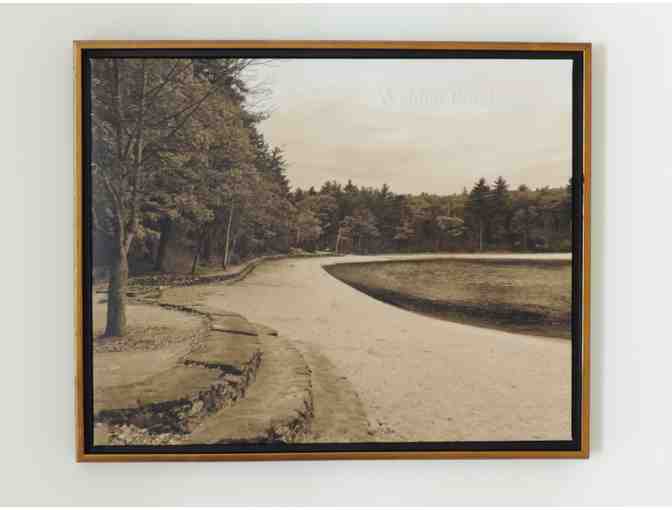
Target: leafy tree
point(450, 227)
point(147, 124)
point(345, 227)
point(364, 227)
point(522, 223)
point(405, 233)
point(307, 226)
point(133, 125)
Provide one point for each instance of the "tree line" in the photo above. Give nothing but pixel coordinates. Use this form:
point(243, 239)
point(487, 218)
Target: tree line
point(488, 217)
point(178, 159)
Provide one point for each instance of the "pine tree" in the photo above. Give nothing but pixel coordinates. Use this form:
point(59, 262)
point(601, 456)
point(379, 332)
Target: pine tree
point(501, 210)
point(478, 210)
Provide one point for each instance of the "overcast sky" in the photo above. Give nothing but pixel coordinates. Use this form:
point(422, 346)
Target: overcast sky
point(421, 125)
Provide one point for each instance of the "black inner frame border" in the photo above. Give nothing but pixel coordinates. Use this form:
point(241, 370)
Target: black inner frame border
point(577, 59)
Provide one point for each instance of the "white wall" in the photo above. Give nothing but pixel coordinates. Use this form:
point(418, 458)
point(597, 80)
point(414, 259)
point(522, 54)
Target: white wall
point(632, 407)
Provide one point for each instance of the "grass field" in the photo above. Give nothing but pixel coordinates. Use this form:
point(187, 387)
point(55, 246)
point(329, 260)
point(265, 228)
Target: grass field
point(522, 296)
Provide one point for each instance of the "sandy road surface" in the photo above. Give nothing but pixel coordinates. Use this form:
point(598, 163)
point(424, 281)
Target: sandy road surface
point(419, 379)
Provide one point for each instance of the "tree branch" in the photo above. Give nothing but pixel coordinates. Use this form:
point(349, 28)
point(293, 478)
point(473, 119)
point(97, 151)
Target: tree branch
point(98, 226)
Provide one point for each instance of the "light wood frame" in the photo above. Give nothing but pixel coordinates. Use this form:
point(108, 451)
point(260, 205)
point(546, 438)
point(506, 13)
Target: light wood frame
point(583, 49)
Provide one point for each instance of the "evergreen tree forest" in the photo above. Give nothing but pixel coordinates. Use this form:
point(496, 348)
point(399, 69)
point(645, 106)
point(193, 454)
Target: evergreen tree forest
point(182, 177)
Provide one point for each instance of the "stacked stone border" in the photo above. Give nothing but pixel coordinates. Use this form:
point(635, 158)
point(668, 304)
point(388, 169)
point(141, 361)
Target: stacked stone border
point(172, 421)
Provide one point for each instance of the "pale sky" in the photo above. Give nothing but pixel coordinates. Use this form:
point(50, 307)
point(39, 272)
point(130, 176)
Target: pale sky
point(421, 125)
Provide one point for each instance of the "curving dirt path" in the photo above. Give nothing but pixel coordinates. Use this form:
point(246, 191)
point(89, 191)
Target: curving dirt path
point(418, 378)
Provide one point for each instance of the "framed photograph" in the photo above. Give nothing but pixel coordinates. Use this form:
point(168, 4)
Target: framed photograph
point(331, 250)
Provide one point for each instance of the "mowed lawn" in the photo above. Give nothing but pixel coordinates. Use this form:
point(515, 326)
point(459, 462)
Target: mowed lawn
point(522, 296)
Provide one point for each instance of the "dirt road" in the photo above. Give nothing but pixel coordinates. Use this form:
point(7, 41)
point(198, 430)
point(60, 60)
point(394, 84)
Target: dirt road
point(419, 379)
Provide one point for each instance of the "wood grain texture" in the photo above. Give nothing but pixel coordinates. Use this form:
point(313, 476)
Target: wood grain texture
point(585, 374)
point(79, 260)
point(345, 44)
point(79, 46)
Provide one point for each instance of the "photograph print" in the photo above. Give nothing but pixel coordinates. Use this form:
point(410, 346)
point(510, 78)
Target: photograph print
point(332, 250)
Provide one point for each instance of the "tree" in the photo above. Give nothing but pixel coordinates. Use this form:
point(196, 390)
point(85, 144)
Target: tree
point(142, 116)
point(405, 233)
point(363, 227)
point(307, 226)
point(450, 227)
point(349, 199)
point(344, 232)
point(501, 210)
point(332, 212)
point(386, 207)
point(522, 223)
point(478, 209)
point(125, 107)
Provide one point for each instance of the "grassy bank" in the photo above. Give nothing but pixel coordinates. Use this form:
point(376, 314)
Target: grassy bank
point(522, 296)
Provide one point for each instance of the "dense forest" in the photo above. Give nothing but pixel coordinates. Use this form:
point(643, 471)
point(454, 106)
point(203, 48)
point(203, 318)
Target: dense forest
point(376, 220)
point(183, 177)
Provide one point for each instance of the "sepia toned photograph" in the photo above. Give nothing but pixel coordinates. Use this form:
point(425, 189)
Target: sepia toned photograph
point(313, 250)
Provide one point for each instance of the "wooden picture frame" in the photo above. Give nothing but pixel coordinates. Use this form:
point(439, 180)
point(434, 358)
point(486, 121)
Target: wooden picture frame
point(577, 447)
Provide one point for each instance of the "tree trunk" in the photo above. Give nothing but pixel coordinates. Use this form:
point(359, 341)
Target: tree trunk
point(194, 263)
point(288, 238)
point(207, 247)
point(480, 235)
point(116, 295)
point(164, 240)
point(338, 240)
point(197, 254)
point(233, 248)
point(227, 241)
point(116, 292)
